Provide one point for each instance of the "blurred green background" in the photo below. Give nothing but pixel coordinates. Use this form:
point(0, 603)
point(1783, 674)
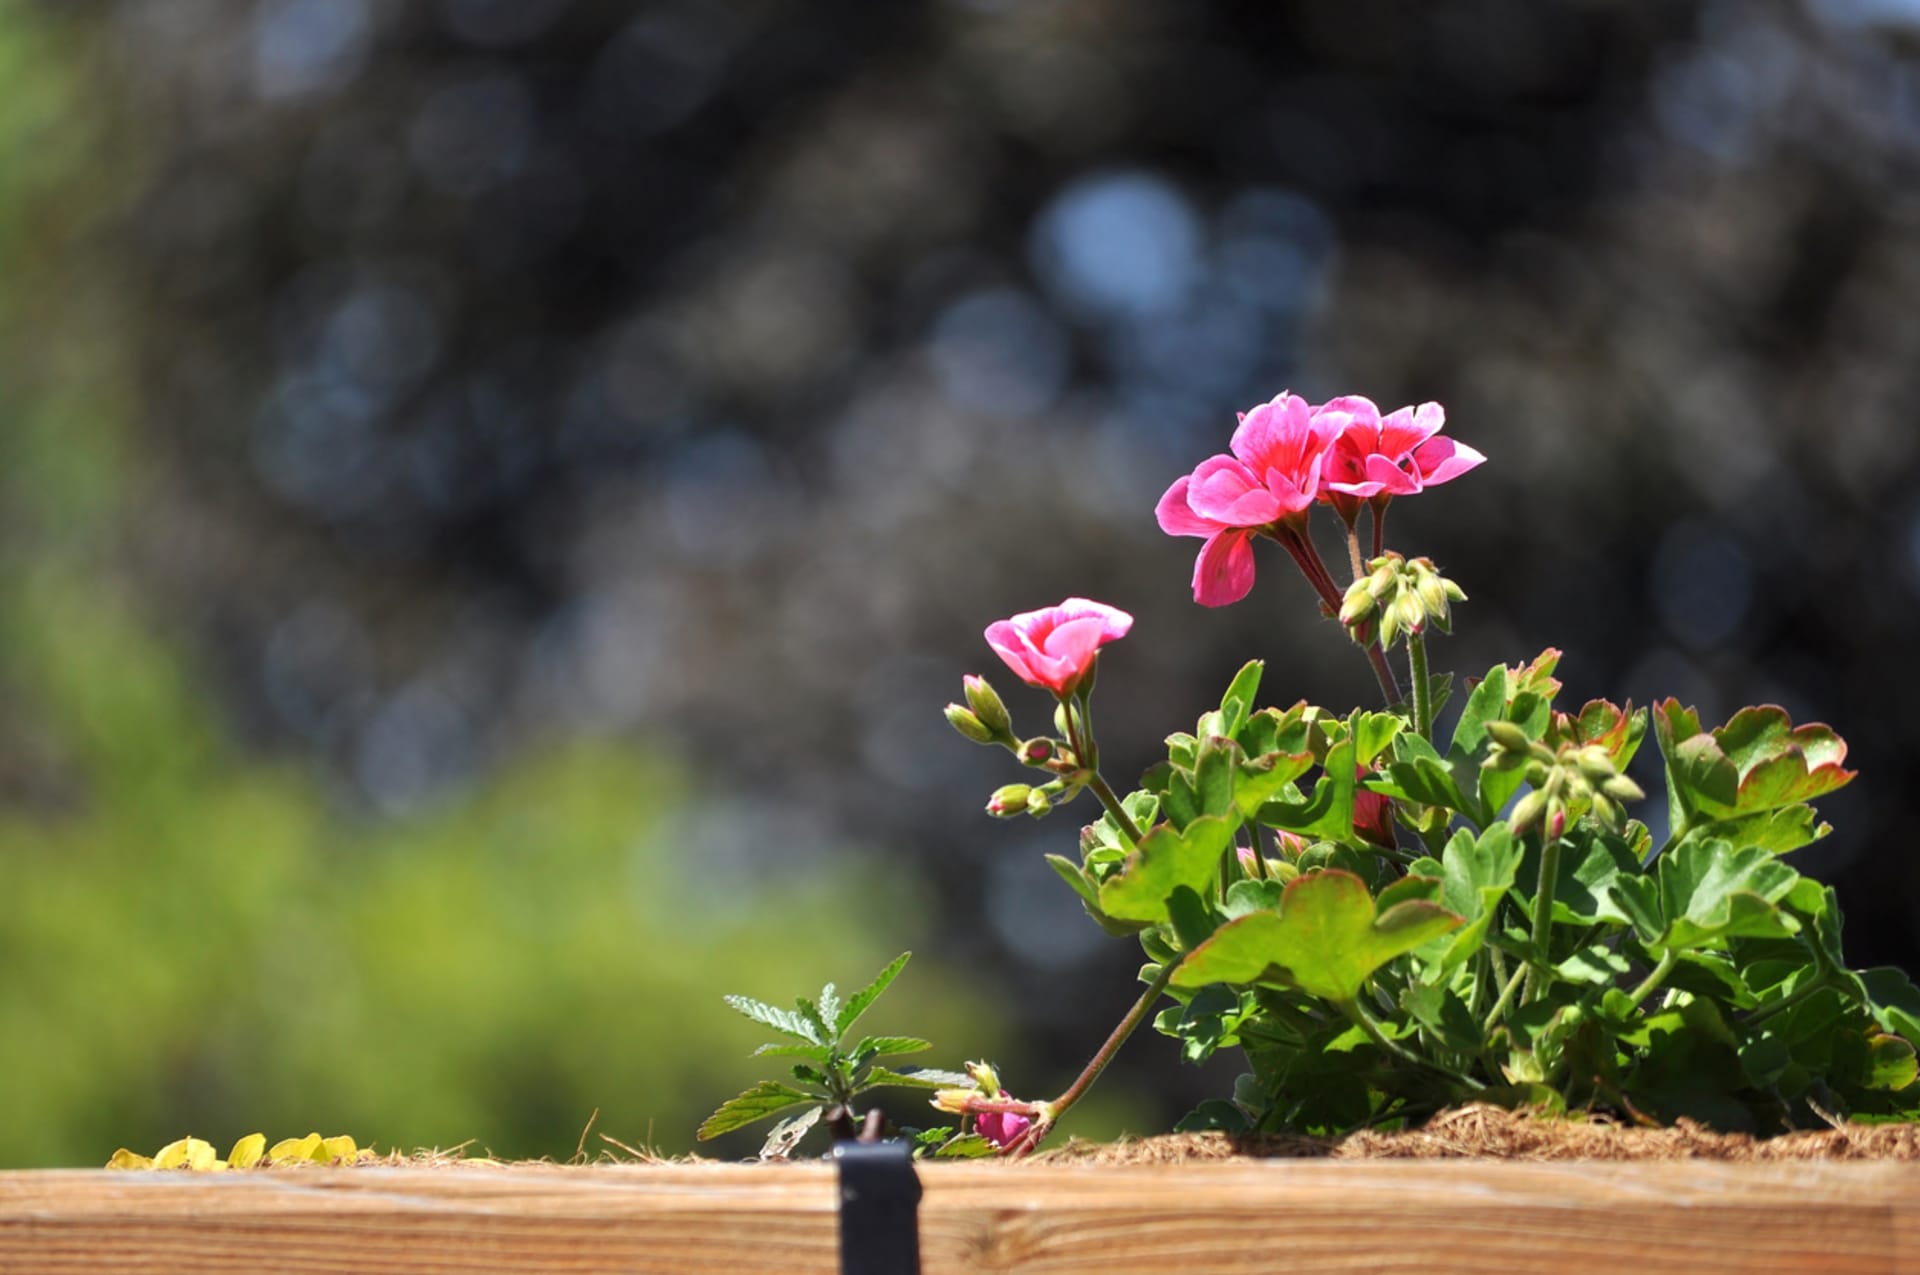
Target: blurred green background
point(494, 493)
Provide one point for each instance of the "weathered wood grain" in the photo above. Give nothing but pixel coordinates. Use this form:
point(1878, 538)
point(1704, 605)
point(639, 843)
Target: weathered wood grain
point(1294, 1216)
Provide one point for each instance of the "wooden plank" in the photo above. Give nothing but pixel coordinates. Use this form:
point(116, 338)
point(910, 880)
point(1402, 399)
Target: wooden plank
point(1296, 1216)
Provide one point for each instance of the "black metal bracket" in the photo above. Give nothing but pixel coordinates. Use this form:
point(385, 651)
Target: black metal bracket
point(879, 1208)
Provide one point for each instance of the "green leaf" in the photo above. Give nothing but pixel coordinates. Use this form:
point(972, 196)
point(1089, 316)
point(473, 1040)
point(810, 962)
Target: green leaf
point(890, 1046)
point(1424, 776)
point(1891, 1063)
point(1778, 763)
point(1372, 732)
point(1597, 964)
point(817, 1053)
point(829, 1009)
point(811, 1012)
point(1237, 703)
point(781, 1020)
point(859, 1002)
point(1213, 774)
point(767, 1098)
point(1263, 778)
point(1475, 874)
point(1775, 831)
point(1329, 811)
point(1193, 921)
point(1252, 896)
point(1327, 938)
point(1711, 892)
point(966, 1146)
point(1487, 702)
point(1593, 863)
point(1165, 861)
point(1445, 1015)
point(1893, 1001)
point(913, 1078)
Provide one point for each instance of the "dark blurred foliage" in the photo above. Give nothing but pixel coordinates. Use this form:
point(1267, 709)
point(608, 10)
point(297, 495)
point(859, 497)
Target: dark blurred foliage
point(715, 371)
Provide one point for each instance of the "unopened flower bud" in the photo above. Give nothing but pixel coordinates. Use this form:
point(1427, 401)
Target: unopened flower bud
point(1432, 596)
point(1037, 751)
point(964, 721)
point(985, 1076)
point(952, 1101)
point(1454, 592)
point(1620, 788)
point(1556, 818)
point(1594, 762)
point(1413, 616)
point(1509, 735)
point(1606, 811)
point(988, 706)
point(1009, 800)
point(1503, 760)
point(1528, 810)
point(1039, 803)
point(1357, 605)
point(1389, 626)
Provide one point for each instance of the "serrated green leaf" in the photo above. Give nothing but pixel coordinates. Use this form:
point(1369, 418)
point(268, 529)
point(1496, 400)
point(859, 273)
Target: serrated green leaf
point(1165, 861)
point(891, 1046)
point(829, 1007)
point(817, 1053)
point(811, 1012)
point(1893, 1001)
point(913, 1078)
point(1891, 1063)
point(1597, 964)
point(785, 1021)
point(1445, 1015)
point(767, 1098)
point(965, 1146)
point(859, 1002)
point(1252, 896)
point(1327, 938)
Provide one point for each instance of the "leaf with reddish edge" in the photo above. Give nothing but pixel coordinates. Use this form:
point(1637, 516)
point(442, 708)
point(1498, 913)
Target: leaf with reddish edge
point(1781, 764)
point(1327, 938)
point(1618, 730)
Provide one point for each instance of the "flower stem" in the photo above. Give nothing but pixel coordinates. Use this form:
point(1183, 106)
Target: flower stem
point(1422, 689)
point(1029, 1140)
point(1543, 917)
point(1504, 999)
point(1307, 558)
point(1113, 807)
point(1353, 548)
point(1653, 980)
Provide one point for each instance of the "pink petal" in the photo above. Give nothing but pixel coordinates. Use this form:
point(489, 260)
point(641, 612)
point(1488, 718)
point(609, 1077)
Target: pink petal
point(1275, 435)
point(1176, 516)
point(1227, 493)
point(1439, 459)
point(1114, 623)
point(1407, 428)
point(1392, 479)
point(1223, 573)
point(1009, 645)
point(1351, 410)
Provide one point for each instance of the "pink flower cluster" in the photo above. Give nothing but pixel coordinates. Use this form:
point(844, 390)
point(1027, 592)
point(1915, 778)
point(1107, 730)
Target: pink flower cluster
point(1288, 455)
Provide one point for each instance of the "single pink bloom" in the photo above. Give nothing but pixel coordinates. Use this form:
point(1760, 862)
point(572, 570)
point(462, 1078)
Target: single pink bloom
point(1272, 478)
point(1394, 455)
point(1055, 647)
point(1001, 1127)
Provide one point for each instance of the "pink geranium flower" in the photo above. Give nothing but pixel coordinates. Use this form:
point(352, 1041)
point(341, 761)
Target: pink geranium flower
point(1269, 482)
point(1393, 455)
point(1055, 647)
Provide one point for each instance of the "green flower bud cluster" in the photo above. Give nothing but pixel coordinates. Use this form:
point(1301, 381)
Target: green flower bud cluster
point(1565, 784)
point(1399, 595)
